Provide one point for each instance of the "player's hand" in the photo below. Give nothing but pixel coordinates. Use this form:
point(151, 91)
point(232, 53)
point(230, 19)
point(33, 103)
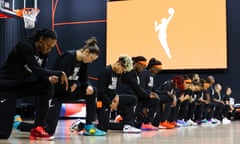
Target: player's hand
point(154, 95)
point(64, 79)
point(174, 103)
point(53, 79)
point(116, 99)
point(113, 106)
point(89, 90)
point(73, 87)
point(115, 102)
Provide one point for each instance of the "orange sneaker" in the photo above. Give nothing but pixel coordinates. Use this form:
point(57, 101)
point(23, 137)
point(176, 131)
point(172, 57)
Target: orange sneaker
point(148, 127)
point(39, 133)
point(166, 124)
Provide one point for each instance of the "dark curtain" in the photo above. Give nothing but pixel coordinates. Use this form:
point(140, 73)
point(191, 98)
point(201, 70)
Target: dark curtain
point(12, 31)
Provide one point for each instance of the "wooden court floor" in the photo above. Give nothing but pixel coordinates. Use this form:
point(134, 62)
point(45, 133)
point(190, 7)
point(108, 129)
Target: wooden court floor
point(221, 134)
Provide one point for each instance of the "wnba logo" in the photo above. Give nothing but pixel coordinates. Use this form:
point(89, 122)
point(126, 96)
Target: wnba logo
point(162, 31)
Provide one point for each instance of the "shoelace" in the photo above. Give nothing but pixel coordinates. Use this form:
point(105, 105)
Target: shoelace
point(18, 119)
point(42, 131)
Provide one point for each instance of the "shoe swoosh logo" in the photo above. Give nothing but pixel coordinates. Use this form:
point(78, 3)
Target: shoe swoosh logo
point(51, 106)
point(2, 101)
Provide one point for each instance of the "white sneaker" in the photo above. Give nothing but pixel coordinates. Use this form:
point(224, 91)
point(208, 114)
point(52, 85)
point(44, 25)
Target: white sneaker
point(162, 127)
point(191, 123)
point(75, 125)
point(215, 121)
point(130, 129)
point(226, 121)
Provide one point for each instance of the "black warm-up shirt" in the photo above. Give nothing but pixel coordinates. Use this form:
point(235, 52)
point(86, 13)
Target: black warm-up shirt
point(130, 84)
point(147, 81)
point(77, 71)
point(107, 85)
point(24, 64)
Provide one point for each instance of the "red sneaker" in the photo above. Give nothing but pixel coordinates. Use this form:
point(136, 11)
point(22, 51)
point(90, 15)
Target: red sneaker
point(39, 133)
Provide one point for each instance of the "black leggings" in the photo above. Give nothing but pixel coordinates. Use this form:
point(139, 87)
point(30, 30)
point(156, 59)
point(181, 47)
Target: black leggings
point(55, 109)
point(60, 97)
point(126, 106)
point(145, 111)
point(43, 92)
point(163, 113)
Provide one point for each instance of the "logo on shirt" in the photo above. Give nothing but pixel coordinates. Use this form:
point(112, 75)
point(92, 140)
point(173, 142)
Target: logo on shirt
point(39, 60)
point(113, 84)
point(74, 76)
point(150, 83)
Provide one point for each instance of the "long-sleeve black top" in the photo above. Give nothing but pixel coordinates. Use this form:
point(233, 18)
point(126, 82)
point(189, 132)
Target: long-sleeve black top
point(167, 87)
point(130, 84)
point(77, 71)
point(107, 85)
point(24, 64)
point(147, 81)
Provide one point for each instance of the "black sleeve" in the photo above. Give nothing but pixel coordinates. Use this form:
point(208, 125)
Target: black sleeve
point(145, 81)
point(130, 78)
point(67, 62)
point(83, 76)
point(64, 63)
point(103, 82)
point(26, 52)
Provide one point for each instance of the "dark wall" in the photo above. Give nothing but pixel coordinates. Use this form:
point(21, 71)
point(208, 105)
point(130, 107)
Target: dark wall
point(11, 32)
point(75, 21)
point(85, 12)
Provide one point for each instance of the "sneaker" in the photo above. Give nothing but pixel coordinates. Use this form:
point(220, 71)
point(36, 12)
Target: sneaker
point(206, 122)
point(226, 121)
point(91, 130)
point(39, 133)
point(218, 122)
point(130, 129)
point(17, 121)
point(215, 121)
point(162, 127)
point(191, 123)
point(148, 127)
point(77, 125)
point(181, 123)
point(166, 124)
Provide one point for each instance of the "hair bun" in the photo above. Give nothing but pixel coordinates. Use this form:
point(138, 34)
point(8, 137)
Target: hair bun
point(91, 41)
point(126, 62)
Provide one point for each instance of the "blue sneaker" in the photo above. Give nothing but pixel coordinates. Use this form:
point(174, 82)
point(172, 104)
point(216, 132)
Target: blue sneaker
point(182, 123)
point(205, 122)
point(91, 130)
point(17, 121)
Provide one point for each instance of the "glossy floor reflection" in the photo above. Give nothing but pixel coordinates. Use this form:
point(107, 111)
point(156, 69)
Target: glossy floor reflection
point(221, 134)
